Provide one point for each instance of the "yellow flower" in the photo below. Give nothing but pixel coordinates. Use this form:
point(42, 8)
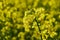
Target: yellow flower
point(14, 14)
point(59, 16)
point(21, 34)
point(40, 10)
point(0, 5)
point(35, 3)
point(13, 38)
point(53, 34)
point(7, 37)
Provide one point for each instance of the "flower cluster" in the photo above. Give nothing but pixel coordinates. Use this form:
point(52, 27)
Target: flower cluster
point(29, 20)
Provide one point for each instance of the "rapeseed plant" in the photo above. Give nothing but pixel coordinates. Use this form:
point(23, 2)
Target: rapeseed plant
point(29, 20)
